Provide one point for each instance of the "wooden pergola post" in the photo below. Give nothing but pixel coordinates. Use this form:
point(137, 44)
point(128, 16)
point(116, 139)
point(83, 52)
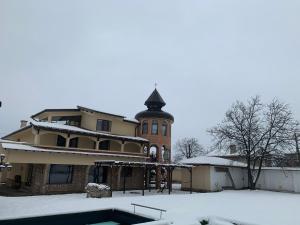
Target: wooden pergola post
point(191, 180)
point(111, 178)
point(124, 179)
point(144, 180)
point(169, 180)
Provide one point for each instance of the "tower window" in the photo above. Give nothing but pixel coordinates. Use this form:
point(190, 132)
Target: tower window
point(145, 127)
point(165, 129)
point(154, 129)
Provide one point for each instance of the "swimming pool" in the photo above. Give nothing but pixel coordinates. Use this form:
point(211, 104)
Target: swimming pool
point(102, 217)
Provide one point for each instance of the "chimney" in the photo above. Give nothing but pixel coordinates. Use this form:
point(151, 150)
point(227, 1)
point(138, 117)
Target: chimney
point(23, 123)
point(232, 149)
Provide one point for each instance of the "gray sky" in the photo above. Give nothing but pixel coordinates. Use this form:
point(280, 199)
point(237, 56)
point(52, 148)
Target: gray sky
point(108, 54)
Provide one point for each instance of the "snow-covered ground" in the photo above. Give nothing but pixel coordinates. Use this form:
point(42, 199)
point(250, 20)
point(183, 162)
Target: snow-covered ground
point(251, 207)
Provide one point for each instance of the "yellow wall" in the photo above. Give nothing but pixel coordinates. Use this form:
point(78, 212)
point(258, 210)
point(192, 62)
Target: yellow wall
point(131, 147)
point(201, 178)
point(84, 142)
point(120, 127)
point(49, 139)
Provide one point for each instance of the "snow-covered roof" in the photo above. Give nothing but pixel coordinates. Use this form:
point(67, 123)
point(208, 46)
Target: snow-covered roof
point(218, 153)
point(23, 147)
point(9, 141)
point(131, 120)
point(57, 126)
point(213, 161)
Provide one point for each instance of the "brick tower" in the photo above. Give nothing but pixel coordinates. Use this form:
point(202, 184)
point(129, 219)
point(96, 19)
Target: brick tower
point(156, 126)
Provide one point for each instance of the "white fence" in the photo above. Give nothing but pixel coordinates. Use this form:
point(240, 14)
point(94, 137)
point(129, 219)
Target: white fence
point(271, 178)
point(280, 179)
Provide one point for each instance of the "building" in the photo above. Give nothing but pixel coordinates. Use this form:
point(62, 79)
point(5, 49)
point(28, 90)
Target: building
point(56, 151)
point(213, 174)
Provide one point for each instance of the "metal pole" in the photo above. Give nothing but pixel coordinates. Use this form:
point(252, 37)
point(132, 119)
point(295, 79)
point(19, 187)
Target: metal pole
point(124, 180)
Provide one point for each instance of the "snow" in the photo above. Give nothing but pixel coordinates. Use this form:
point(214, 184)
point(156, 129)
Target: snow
point(22, 147)
point(214, 161)
point(131, 120)
point(81, 130)
point(250, 207)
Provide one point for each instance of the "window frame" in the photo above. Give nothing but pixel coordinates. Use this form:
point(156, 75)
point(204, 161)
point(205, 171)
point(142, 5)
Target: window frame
point(145, 127)
point(102, 126)
point(164, 129)
point(154, 123)
point(69, 174)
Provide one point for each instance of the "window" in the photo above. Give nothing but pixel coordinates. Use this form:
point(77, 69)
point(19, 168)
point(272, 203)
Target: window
point(61, 141)
point(103, 125)
point(104, 145)
point(60, 174)
point(97, 174)
point(73, 143)
point(164, 129)
point(145, 127)
point(154, 129)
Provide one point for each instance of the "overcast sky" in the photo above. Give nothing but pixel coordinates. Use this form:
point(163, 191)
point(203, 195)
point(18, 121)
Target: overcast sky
point(204, 55)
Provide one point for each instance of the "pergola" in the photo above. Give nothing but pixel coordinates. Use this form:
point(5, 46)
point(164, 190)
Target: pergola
point(145, 166)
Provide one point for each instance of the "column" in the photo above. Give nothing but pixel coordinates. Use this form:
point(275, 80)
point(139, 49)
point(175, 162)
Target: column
point(36, 134)
point(122, 146)
point(67, 142)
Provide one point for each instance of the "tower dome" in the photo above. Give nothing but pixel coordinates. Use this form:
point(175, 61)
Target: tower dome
point(154, 103)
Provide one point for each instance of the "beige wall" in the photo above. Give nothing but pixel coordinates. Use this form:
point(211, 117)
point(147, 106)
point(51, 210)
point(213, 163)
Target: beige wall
point(23, 136)
point(17, 156)
point(85, 142)
point(131, 147)
point(120, 127)
point(49, 139)
point(201, 178)
point(177, 175)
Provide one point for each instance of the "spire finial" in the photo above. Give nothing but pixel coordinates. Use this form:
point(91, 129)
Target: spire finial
point(155, 85)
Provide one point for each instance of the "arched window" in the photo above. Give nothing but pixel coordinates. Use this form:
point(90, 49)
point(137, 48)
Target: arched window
point(154, 129)
point(153, 153)
point(104, 145)
point(145, 127)
point(61, 141)
point(165, 129)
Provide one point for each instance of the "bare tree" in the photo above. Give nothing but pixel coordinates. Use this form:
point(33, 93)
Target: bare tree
point(262, 132)
point(187, 148)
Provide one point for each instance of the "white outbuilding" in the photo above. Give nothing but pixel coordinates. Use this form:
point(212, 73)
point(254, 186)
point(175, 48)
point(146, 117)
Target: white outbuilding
point(213, 174)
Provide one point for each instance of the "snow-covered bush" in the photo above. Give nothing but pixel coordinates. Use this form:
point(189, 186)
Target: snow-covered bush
point(214, 221)
point(94, 190)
